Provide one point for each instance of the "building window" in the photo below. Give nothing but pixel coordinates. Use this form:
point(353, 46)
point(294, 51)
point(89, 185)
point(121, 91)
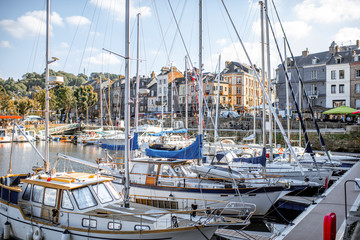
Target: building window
point(313, 74)
point(333, 88)
point(338, 103)
point(357, 103)
point(338, 60)
point(238, 100)
point(357, 88)
point(238, 80)
point(341, 88)
point(229, 90)
point(221, 88)
point(341, 74)
point(238, 90)
point(357, 73)
point(333, 74)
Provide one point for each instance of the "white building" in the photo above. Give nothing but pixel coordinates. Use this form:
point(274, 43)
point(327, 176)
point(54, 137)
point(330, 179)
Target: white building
point(338, 80)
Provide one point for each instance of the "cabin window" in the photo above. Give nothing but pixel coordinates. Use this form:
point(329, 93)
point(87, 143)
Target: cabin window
point(84, 198)
point(102, 193)
point(27, 193)
point(50, 197)
point(153, 168)
point(112, 190)
point(38, 194)
point(165, 171)
point(114, 226)
point(139, 169)
point(2, 133)
point(66, 202)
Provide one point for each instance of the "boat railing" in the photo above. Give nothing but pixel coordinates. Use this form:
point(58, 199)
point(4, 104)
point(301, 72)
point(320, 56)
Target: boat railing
point(105, 219)
point(257, 176)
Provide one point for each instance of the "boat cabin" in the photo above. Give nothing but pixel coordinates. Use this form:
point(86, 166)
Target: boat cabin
point(45, 197)
point(170, 173)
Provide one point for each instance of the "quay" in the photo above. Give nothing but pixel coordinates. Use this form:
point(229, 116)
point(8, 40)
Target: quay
point(309, 224)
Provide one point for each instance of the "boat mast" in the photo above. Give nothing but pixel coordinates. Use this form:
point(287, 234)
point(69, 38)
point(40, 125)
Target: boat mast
point(137, 76)
point(186, 98)
point(200, 71)
point(263, 71)
point(217, 103)
point(47, 108)
point(269, 79)
point(287, 97)
point(172, 96)
point(101, 105)
point(127, 103)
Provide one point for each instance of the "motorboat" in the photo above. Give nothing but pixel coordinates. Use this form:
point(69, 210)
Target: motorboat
point(4, 137)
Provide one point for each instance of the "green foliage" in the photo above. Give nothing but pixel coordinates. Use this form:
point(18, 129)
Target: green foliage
point(24, 105)
point(85, 97)
point(4, 100)
point(40, 98)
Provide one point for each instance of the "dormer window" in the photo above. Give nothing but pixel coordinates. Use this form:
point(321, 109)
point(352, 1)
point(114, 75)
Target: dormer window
point(315, 60)
point(356, 58)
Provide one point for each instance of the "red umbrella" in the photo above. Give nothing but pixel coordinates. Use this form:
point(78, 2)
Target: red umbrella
point(356, 112)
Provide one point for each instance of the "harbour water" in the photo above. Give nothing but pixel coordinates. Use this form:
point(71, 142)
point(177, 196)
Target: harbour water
point(25, 157)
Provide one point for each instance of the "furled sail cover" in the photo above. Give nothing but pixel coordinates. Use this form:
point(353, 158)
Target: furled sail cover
point(193, 151)
point(134, 144)
point(254, 160)
point(172, 131)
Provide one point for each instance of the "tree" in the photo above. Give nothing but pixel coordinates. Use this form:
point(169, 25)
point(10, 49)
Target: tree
point(4, 100)
point(85, 97)
point(23, 105)
point(40, 98)
point(65, 99)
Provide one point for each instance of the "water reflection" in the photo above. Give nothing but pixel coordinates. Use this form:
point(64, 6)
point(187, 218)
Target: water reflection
point(25, 157)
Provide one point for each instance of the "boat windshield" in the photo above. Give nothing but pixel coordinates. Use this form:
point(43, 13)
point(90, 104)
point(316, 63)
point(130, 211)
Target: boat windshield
point(2, 133)
point(84, 198)
point(102, 193)
point(112, 189)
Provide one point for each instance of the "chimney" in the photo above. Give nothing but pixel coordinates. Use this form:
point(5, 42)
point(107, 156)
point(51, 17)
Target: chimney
point(337, 49)
point(305, 53)
point(358, 43)
point(332, 48)
point(152, 74)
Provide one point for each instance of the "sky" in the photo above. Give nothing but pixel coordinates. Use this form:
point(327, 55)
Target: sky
point(81, 29)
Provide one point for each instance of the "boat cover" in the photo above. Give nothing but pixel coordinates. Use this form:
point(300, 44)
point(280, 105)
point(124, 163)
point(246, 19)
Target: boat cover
point(194, 151)
point(172, 131)
point(254, 160)
point(134, 144)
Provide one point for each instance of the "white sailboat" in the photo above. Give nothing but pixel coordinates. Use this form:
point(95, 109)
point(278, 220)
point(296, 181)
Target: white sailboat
point(50, 205)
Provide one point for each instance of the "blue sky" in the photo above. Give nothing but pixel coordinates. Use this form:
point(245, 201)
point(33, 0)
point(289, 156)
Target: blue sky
point(80, 29)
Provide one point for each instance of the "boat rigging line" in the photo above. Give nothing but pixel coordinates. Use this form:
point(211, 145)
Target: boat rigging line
point(322, 142)
point(308, 148)
point(272, 110)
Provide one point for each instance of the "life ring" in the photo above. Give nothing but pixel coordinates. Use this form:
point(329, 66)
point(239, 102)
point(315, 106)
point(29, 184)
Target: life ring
point(37, 234)
point(92, 134)
point(280, 150)
point(21, 137)
point(2, 138)
point(83, 137)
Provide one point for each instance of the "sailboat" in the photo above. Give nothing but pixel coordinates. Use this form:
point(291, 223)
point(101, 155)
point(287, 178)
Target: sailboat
point(45, 204)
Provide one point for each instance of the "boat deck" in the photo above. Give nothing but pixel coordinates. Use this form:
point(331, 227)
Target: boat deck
point(309, 224)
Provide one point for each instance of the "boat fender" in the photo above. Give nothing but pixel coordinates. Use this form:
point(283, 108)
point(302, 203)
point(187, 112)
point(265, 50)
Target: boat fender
point(7, 230)
point(65, 235)
point(37, 234)
point(29, 235)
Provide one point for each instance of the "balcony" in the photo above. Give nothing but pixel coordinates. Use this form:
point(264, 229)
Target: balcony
point(313, 94)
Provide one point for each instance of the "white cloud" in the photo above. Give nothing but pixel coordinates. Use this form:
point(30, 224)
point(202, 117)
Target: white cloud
point(30, 24)
point(77, 20)
point(222, 41)
point(328, 11)
point(347, 34)
point(117, 7)
point(293, 29)
point(103, 58)
point(5, 44)
point(64, 45)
